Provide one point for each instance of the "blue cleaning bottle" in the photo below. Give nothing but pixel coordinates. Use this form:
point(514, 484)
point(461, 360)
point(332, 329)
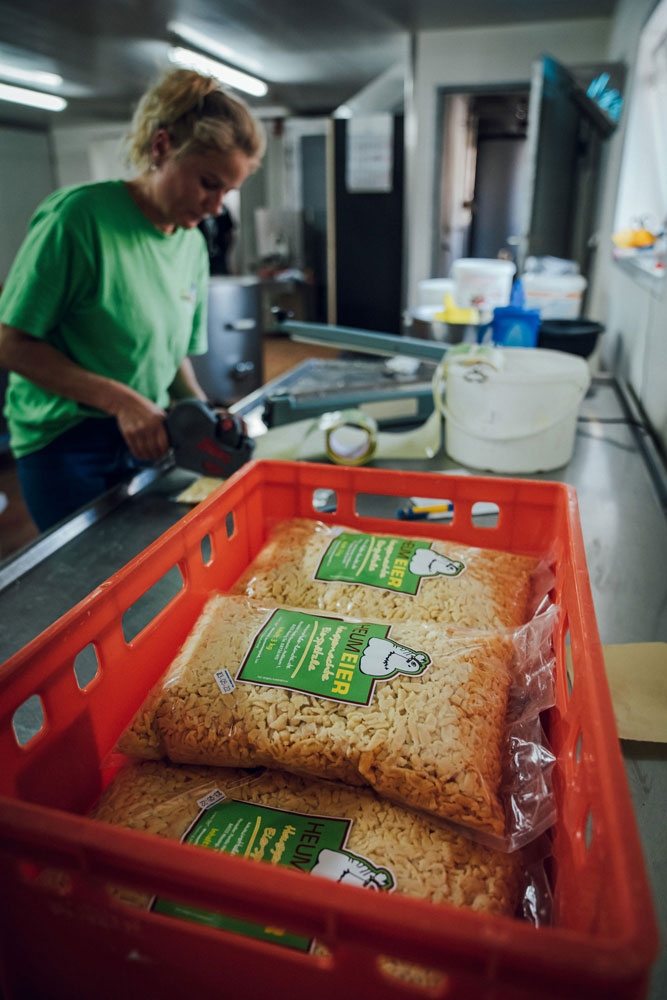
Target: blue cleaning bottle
point(514, 325)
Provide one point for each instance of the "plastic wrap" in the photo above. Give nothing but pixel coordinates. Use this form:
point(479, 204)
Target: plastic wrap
point(404, 851)
point(341, 570)
point(328, 830)
point(441, 718)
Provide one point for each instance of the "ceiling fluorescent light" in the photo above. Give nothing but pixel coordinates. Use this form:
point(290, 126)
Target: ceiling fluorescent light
point(207, 44)
point(32, 98)
point(233, 77)
point(37, 76)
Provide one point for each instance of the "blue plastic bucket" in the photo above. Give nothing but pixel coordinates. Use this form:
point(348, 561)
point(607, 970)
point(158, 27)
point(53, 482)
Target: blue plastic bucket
point(514, 327)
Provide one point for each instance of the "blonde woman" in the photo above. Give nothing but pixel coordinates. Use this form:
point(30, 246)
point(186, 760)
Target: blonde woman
point(106, 298)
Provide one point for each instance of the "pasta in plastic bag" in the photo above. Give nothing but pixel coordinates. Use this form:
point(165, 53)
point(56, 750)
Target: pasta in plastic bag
point(423, 713)
point(341, 570)
point(324, 828)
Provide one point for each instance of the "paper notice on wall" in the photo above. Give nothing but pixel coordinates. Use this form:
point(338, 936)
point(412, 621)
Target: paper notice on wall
point(370, 160)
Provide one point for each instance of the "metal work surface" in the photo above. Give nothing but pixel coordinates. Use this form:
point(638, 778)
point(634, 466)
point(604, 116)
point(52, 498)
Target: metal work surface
point(621, 491)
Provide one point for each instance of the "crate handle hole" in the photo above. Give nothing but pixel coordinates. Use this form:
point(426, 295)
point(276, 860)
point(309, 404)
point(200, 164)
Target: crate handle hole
point(86, 666)
point(53, 880)
point(434, 981)
point(429, 509)
point(325, 501)
point(206, 550)
point(230, 524)
point(28, 720)
point(407, 509)
point(140, 614)
point(485, 514)
point(376, 505)
point(569, 663)
point(588, 830)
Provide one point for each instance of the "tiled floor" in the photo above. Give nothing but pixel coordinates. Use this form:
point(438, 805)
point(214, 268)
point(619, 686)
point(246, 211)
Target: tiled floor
point(16, 526)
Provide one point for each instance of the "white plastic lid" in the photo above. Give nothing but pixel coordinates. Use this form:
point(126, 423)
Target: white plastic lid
point(483, 264)
point(432, 291)
point(554, 282)
point(427, 313)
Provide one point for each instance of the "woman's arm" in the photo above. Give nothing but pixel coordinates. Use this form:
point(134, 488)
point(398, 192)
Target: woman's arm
point(140, 421)
point(185, 384)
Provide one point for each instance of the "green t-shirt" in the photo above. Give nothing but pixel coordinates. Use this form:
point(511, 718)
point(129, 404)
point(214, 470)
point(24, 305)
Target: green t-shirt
point(99, 282)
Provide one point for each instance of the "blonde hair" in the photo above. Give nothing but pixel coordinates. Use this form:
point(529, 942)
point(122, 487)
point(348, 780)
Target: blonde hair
point(199, 117)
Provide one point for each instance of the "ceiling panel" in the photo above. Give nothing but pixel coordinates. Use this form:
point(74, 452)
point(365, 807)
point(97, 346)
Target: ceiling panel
point(314, 54)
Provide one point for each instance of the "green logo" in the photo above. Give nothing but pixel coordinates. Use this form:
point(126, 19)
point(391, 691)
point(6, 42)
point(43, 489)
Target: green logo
point(392, 563)
point(327, 657)
point(314, 844)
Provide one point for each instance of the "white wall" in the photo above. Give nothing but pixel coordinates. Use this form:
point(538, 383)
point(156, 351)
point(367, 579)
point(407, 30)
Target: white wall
point(86, 153)
point(385, 93)
point(470, 58)
point(26, 177)
point(623, 41)
point(642, 187)
point(634, 312)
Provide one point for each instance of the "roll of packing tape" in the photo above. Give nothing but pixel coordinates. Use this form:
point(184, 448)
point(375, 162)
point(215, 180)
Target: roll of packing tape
point(351, 437)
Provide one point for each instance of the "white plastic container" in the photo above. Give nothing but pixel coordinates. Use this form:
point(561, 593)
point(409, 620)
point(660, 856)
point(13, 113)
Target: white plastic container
point(522, 418)
point(482, 283)
point(557, 296)
point(432, 291)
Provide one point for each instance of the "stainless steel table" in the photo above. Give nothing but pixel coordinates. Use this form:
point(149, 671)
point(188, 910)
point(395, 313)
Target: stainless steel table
point(622, 488)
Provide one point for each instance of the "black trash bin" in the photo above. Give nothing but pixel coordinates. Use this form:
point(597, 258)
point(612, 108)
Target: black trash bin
point(575, 336)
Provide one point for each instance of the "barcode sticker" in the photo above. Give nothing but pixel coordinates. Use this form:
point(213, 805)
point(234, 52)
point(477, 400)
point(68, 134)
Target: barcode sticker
point(211, 799)
point(224, 681)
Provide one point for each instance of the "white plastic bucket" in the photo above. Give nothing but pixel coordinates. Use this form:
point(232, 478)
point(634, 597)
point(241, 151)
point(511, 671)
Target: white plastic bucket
point(432, 291)
point(522, 418)
point(557, 296)
point(481, 283)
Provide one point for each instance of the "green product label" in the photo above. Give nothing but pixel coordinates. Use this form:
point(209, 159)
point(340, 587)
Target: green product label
point(326, 657)
point(314, 844)
point(391, 563)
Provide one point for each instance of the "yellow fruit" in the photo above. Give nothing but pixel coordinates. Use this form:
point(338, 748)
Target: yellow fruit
point(633, 238)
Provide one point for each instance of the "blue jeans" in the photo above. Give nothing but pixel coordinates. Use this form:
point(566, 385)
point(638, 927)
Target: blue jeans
point(73, 469)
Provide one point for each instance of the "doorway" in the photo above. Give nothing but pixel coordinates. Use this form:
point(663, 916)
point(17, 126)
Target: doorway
point(518, 169)
point(482, 152)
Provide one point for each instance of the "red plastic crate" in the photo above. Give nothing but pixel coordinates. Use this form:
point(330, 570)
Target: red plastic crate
point(78, 942)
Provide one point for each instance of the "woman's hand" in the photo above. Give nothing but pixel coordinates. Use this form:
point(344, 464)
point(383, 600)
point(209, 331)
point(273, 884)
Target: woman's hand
point(141, 423)
point(186, 386)
point(224, 414)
